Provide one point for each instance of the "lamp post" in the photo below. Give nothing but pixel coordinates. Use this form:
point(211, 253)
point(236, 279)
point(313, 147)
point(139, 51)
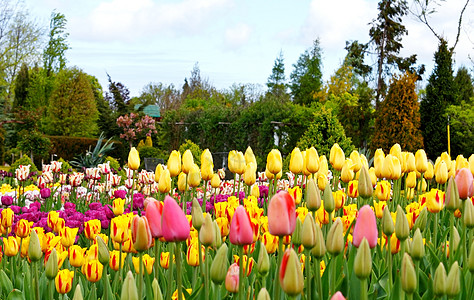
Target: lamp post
point(449, 143)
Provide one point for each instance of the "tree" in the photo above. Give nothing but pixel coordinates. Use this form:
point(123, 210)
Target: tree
point(463, 85)
point(355, 58)
point(72, 107)
point(276, 82)
point(165, 96)
point(306, 78)
point(35, 143)
point(22, 83)
point(439, 94)
point(54, 56)
point(386, 34)
point(118, 97)
point(398, 119)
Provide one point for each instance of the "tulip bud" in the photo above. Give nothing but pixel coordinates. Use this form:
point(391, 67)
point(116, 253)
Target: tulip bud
point(417, 248)
point(296, 161)
point(232, 278)
point(456, 240)
point(196, 214)
point(164, 182)
point(157, 295)
point(141, 234)
point(219, 265)
point(182, 182)
point(206, 234)
point(34, 248)
point(328, 199)
point(408, 275)
point(319, 248)
point(387, 222)
point(308, 239)
point(429, 174)
point(250, 157)
point(250, 176)
point(291, 274)
point(133, 159)
point(218, 236)
point(363, 260)
point(402, 229)
point(422, 219)
point(411, 180)
point(470, 261)
point(263, 261)
point(439, 281)
point(453, 285)
point(452, 195)
point(468, 214)
point(51, 268)
point(335, 238)
point(188, 161)
point(274, 161)
point(312, 195)
point(207, 165)
point(104, 254)
point(129, 288)
point(312, 160)
point(263, 294)
point(77, 293)
point(158, 170)
point(338, 296)
point(365, 186)
point(347, 172)
point(297, 233)
point(421, 161)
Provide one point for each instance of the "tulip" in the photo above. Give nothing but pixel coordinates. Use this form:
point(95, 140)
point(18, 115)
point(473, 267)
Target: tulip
point(281, 214)
point(388, 227)
point(215, 181)
point(220, 265)
point(92, 228)
point(429, 173)
point(421, 161)
point(63, 281)
point(51, 268)
point(452, 195)
point(379, 158)
point(308, 239)
point(239, 163)
point(119, 229)
point(250, 176)
point(439, 281)
point(207, 165)
point(164, 184)
point(114, 260)
point(34, 248)
point(141, 234)
point(93, 270)
point(335, 238)
point(148, 262)
point(118, 206)
point(133, 159)
point(263, 294)
point(7, 217)
point(175, 225)
point(468, 214)
point(11, 246)
point(194, 176)
point(417, 248)
point(76, 255)
point(312, 160)
point(347, 172)
point(382, 190)
point(312, 195)
point(441, 172)
point(241, 232)
point(356, 160)
point(274, 161)
point(464, 181)
point(297, 233)
point(410, 161)
point(328, 200)
point(402, 229)
point(336, 157)
point(365, 227)
point(338, 296)
point(188, 161)
point(206, 234)
point(68, 236)
point(364, 184)
point(291, 274)
point(296, 161)
point(23, 228)
point(232, 279)
point(378, 208)
point(408, 275)
point(174, 163)
point(182, 182)
point(453, 285)
point(129, 288)
point(339, 199)
point(192, 254)
point(153, 213)
point(249, 156)
point(411, 180)
point(363, 261)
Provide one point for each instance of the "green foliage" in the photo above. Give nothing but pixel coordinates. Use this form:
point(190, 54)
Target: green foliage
point(195, 150)
point(276, 82)
point(72, 106)
point(398, 119)
point(323, 132)
point(22, 82)
point(147, 151)
point(93, 158)
point(54, 55)
point(440, 94)
point(462, 128)
point(65, 166)
point(306, 78)
point(35, 143)
point(463, 84)
point(24, 160)
point(2, 145)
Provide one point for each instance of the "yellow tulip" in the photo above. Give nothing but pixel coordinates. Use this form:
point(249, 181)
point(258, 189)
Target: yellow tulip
point(250, 174)
point(182, 182)
point(296, 161)
point(77, 256)
point(373, 177)
point(174, 163)
point(322, 181)
point(7, 217)
point(421, 161)
point(250, 157)
point(323, 165)
point(148, 262)
point(207, 165)
point(347, 172)
point(93, 270)
point(215, 181)
point(133, 159)
point(379, 158)
point(23, 228)
point(11, 246)
point(336, 157)
point(239, 163)
point(119, 228)
point(194, 176)
point(92, 228)
point(396, 151)
point(118, 206)
point(164, 183)
point(114, 261)
point(356, 160)
point(382, 190)
point(411, 162)
point(188, 161)
point(471, 164)
point(68, 236)
point(461, 162)
point(429, 174)
point(158, 170)
point(63, 281)
point(274, 161)
point(441, 172)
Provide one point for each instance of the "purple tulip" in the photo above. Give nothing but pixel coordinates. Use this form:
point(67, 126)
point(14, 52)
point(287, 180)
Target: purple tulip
point(45, 193)
point(138, 200)
point(36, 206)
point(108, 211)
point(69, 205)
point(16, 209)
point(7, 200)
point(95, 206)
point(120, 194)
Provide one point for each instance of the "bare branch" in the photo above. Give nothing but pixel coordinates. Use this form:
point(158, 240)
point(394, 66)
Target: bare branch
point(459, 25)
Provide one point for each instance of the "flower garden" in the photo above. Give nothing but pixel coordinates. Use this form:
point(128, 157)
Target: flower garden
point(333, 227)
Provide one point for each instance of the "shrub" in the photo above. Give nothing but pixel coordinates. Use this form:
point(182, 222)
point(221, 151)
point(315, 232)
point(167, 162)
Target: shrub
point(65, 166)
point(24, 160)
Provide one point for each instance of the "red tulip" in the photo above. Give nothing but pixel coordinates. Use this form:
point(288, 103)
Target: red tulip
point(174, 224)
point(241, 232)
point(365, 227)
point(464, 182)
point(281, 214)
point(153, 213)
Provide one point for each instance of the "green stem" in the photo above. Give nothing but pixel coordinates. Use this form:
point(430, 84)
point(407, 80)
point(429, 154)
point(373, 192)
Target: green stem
point(308, 274)
point(435, 231)
point(233, 187)
point(157, 256)
point(241, 273)
point(332, 281)
point(389, 259)
point(140, 275)
point(204, 198)
point(451, 239)
point(178, 270)
point(206, 276)
point(417, 271)
point(280, 257)
point(50, 290)
point(120, 262)
point(170, 270)
point(201, 266)
point(363, 289)
point(37, 292)
point(317, 274)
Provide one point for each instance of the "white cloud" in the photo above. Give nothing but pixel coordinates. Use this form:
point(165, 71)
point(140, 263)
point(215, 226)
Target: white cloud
point(133, 20)
point(237, 36)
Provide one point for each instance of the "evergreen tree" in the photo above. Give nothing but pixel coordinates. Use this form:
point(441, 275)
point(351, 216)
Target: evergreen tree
point(398, 119)
point(463, 84)
point(72, 107)
point(118, 97)
point(439, 94)
point(276, 81)
point(306, 78)
point(21, 86)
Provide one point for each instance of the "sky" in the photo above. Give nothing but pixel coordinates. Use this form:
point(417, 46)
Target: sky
point(233, 41)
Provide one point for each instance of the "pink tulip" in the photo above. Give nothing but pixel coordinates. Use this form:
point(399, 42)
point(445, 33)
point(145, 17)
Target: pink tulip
point(365, 227)
point(153, 212)
point(464, 182)
point(241, 232)
point(338, 296)
point(232, 278)
point(174, 224)
point(281, 214)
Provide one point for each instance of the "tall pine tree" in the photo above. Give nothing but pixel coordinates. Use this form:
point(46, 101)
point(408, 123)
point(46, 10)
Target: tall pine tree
point(440, 93)
point(276, 82)
point(22, 83)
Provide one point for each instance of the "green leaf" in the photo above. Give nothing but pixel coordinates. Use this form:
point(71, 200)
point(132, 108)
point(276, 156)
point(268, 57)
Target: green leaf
point(15, 295)
point(5, 282)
